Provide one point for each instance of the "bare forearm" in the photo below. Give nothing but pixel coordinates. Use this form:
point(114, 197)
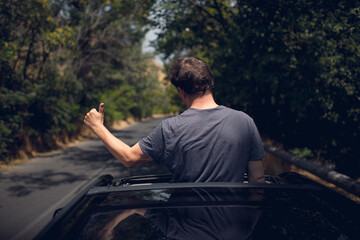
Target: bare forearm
point(118, 148)
point(128, 156)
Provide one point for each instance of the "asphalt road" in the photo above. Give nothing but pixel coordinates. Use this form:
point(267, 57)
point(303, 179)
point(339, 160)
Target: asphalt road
point(30, 193)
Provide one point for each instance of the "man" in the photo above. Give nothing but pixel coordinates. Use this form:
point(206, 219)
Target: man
point(206, 143)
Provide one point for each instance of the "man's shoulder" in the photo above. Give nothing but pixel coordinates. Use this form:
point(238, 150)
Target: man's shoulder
point(171, 120)
point(191, 115)
point(237, 113)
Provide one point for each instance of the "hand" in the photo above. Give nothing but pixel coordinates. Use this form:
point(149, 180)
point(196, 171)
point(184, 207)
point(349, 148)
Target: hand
point(95, 118)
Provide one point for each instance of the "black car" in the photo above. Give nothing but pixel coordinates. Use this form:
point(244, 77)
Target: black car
point(288, 206)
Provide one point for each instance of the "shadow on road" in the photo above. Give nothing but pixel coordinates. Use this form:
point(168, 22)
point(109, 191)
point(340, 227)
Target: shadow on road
point(75, 164)
point(27, 183)
point(29, 193)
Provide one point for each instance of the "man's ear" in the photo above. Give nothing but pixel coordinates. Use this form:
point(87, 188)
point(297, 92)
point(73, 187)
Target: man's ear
point(181, 92)
point(184, 97)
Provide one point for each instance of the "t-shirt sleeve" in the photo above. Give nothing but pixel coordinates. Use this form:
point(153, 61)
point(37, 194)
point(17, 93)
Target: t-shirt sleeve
point(256, 149)
point(154, 144)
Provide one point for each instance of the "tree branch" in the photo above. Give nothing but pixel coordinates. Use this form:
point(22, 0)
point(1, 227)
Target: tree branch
point(202, 9)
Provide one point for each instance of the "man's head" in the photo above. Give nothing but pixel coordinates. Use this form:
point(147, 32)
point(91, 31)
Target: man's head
point(192, 75)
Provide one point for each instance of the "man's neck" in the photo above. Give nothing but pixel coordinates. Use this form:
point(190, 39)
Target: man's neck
point(203, 102)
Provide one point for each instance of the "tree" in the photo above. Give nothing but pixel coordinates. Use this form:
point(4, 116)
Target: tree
point(292, 65)
point(58, 58)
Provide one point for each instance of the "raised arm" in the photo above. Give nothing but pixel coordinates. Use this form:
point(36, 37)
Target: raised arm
point(128, 156)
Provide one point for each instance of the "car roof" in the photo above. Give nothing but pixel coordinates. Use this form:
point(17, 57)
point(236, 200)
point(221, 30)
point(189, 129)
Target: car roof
point(282, 201)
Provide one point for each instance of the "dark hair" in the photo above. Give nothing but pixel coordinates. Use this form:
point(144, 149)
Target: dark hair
point(192, 75)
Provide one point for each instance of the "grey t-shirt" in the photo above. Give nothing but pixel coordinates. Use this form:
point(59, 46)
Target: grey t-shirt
point(211, 145)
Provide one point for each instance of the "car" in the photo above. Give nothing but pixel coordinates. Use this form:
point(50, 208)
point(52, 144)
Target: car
point(288, 206)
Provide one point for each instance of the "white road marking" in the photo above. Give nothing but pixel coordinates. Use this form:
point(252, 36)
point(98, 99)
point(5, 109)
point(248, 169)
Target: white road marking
point(61, 202)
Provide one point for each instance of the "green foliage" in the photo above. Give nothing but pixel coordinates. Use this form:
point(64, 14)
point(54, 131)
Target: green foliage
point(58, 59)
point(120, 103)
point(6, 140)
point(175, 103)
point(292, 65)
point(302, 152)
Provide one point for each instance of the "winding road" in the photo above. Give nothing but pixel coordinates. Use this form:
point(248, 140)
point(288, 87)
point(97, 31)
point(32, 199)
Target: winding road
point(31, 192)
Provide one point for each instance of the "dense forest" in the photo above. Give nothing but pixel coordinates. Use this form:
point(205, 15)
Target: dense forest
point(60, 58)
point(292, 65)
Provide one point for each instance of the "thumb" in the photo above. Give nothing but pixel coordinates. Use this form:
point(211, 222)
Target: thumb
point(101, 108)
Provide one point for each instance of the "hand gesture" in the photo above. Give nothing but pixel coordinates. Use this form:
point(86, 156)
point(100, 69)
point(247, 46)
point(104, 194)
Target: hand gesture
point(94, 119)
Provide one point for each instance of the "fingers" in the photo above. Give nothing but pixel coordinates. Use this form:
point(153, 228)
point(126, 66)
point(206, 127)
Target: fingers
point(89, 114)
point(94, 118)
